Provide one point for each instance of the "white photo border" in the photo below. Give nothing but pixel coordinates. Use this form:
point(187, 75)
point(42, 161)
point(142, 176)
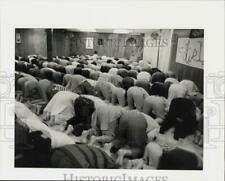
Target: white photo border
point(207, 15)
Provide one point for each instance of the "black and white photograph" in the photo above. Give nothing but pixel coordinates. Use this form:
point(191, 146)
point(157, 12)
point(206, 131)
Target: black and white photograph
point(109, 98)
point(98, 90)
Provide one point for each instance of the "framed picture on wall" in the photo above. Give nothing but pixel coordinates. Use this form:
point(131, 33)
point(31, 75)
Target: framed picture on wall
point(18, 38)
point(190, 52)
point(100, 42)
point(197, 33)
point(89, 43)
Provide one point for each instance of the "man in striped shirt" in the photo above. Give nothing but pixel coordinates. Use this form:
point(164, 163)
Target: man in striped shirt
point(81, 156)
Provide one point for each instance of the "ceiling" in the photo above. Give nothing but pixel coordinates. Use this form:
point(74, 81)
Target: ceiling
point(118, 31)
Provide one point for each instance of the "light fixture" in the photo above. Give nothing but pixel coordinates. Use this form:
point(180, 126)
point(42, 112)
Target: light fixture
point(87, 30)
point(121, 31)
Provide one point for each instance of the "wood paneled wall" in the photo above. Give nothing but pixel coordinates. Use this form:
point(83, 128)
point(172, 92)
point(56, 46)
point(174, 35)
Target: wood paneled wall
point(33, 41)
point(61, 43)
point(67, 43)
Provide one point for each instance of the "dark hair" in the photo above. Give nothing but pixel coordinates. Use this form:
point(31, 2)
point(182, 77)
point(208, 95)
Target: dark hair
point(62, 69)
point(158, 77)
point(115, 148)
point(80, 122)
point(182, 116)
point(132, 73)
point(123, 73)
point(95, 52)
point(127, 67)
point(153, 70)
point(178, 159)
point(77, 70)
point(157, 89)
point(83, 103)
point(121, 62)
point(85, 73)
point(34, 61)
point(127, 82)
point(105, 69)
point(94, 63)
point(109, 61)
point(80, 65)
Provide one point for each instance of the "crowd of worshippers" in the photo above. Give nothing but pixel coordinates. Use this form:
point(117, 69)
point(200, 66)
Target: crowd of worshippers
point(107, 112)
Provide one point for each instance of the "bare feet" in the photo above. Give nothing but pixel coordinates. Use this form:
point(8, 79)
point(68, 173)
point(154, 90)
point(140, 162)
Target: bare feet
point(83, 137)
point(69, 130)
point(94, 141)
point(121, 154)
